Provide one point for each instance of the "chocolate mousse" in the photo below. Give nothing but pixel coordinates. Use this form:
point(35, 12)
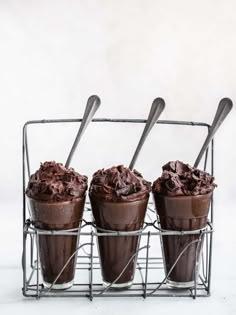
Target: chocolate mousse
point(118, 184)
point(56, 197)
point(54, 182)
point(119, 200)
point(182, 197)
point(180, 179)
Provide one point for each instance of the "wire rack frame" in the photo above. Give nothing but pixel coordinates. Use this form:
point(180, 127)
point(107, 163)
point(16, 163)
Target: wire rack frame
point(88, 262)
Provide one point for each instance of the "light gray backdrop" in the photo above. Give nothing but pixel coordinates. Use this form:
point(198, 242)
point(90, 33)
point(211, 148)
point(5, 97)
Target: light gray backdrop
point(54, 54)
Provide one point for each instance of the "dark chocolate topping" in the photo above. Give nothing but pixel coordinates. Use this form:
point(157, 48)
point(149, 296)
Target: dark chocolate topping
point(119, 184)
point(179, 179)
point(54, 182)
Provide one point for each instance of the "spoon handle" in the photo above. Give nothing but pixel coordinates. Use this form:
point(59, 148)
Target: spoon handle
point(92, 105)
point(157, 108)
point(223, 109)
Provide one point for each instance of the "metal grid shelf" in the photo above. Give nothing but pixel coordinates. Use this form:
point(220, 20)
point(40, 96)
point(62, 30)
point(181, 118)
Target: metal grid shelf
point(150, 279)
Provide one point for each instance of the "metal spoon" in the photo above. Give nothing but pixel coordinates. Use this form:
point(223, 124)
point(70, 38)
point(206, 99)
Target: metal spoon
point(223, 109)
point(157, 108)
point(92, 105)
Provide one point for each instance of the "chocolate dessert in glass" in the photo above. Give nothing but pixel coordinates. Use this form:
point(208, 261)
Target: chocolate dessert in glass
point(119, 200)
point(55, 197)
point(182, 198)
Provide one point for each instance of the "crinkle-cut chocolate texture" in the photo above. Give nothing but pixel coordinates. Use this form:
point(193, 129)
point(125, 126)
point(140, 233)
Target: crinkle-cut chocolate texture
point(119, 183)
point(180, 179)
point(54, 182)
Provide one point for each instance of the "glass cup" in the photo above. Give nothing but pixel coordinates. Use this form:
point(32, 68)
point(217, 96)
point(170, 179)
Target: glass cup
point(182, 213)
point(56, 250)
point(117, 252)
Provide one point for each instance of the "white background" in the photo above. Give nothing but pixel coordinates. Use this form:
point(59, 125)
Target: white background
point(54, 54)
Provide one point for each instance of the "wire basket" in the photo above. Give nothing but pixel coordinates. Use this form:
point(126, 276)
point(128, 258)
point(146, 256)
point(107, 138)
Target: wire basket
point(150, 276)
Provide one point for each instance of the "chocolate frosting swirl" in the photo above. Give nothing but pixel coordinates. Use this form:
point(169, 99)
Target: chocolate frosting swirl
point(179, 179)
point(119, 184)
point(54, 182)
